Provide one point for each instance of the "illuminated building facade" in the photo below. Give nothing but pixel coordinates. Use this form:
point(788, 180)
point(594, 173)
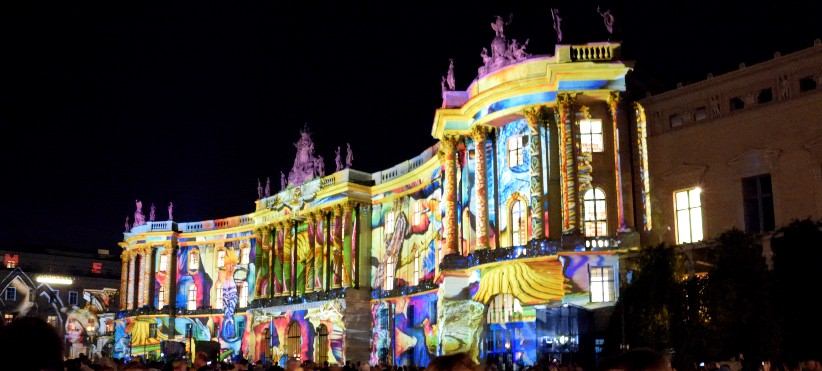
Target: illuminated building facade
point(759, 163)
point(501, 240)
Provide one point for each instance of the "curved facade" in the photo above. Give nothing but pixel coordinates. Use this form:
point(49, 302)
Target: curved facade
point(502, 240)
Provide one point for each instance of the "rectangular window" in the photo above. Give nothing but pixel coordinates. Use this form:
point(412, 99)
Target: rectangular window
point(389, 222)
point(516, 150)
point(590, 135)
point(194, 260)
point(220, 258)
point(807, 83)
point(736, 103)
point(52, 320)
point(7, 318)
point(11, 293)
point(245, 254)
point(418, 212)
point(73, 298)
point(676, 120)
point(757, 196)
point(163, 263)
point(602, 284)
point(192, 298)
point(10, 261)
point(390, 265)
point(700, 113)
point(152, 330)
point(242, 287)
point(764, 96)
point(688, 205)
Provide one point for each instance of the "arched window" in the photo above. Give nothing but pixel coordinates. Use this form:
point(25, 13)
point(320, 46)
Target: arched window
point(218, 292)
point(161, 297)
point(293, 344)
point(518, 219)
point(596, 216)
point(194, 260)
point(389, 223)
point(220, 258)
point(242, 290)
point(503, 309)
point(322, 344)
point(192, 297)
point(245, 253)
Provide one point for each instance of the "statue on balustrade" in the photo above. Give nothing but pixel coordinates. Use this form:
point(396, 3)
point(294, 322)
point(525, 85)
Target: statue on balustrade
point(503, 52)
point(319, 165)
point(608, 19)
point(152, 212)
point(283, 182)
point(139, 218)
point(305, 162)
point(128, 227)
point(349, 156)
point(170, 210)
point(557, 24)
point(337, 160)
point(268, 186)
point(259, 189)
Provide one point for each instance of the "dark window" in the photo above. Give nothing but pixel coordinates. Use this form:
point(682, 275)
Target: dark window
point(764, 96)
point(322, 344)
point(736, 103)
point(73, 298)
point(757, 196)
point(676, 120)
point(152, 330)
point(11, 293)
point(807, 83)
point(700, 113)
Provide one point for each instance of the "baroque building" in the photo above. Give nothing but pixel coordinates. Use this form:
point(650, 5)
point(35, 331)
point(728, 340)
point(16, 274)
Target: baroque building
point(502, 240)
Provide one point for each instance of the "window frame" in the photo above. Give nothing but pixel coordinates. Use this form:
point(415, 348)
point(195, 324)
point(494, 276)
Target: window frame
point(191, 300)
point(388, 222)
point(76, 300)
point(245, 254)
point(517, 151)
point(161, 297)
point(519, 235)
point(600, 225)
point(163, 263)
point(218, 291)
point(690, 219)
point(760, 198)
point(586, 138)
point(193, 263)
point(606, 281)
point(12, 291)
point(242, 294)
point(390, 271)
point(220, 259)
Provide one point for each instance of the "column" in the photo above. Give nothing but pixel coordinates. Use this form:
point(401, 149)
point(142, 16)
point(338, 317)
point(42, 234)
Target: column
point(355, 246)
point(146, 263)
point(346, 235)
point(278, 259)
point(140, 274)
point(123, 279)
point(613, 105)
point(447, 155)
point(131, 274)
point(310, 258)
point(534, 117)
point(288, 250)
point(319, 250)
point(554, 196)
point(480, 134)
point(336, 247)
point(565, 102)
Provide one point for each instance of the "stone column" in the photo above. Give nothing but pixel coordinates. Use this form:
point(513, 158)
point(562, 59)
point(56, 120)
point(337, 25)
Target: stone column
point(147, 281)
point(346, 235)
point(310, 258)
point(319, 249)
point(123, 279)
point(613, 105)
point(336, 247)
point(565, 104)
point(288, 250)
point(140, 274)
point(447, 153)
point(534, 117)
point(279, 240)
point(480, 134)
point(131, 274)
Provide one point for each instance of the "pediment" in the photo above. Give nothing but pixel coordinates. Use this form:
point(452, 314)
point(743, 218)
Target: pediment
point(755, 161)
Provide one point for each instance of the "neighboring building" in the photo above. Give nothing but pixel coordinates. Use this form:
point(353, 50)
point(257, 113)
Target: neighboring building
point(741, 150)
point(75, 292)
point(502, 240)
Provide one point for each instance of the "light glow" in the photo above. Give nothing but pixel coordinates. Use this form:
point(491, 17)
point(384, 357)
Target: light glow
point(54, 279)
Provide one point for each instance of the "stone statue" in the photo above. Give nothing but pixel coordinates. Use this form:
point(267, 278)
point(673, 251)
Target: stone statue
point(557, 24)
point(486, 59)
point(517, 51)
point(319, 166)
point(784, 87)
point(608, 19)
point(267, 186)
point(170, 210)
point(499, 27)
point(349, 155)
point(714, 106)
point(152, 212)
point(259, 189)
point(283, 181)
point(443, 85)
point(503, 53)
point(128, 228)
point(139, 218)
point(305, 162)
point(450, 76)
point(337, 160)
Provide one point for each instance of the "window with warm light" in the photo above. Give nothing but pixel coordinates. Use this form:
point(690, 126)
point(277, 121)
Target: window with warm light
point(220, 258)
point(52, 320)
point(245, 254)
point(8, 317)
point(194, 260)
point(161, 297)
point(389, 222)
point(516, 150)
point(192, 298)
point(503, 309)
point(164, 263)
point(518, 215)
point(688, 206)
point(390, 265)
point(594, 213)
point(417, 268)
point(418, 212)
point(218, 291)
point(590, 135)
point(602, 284)
point(242, 288)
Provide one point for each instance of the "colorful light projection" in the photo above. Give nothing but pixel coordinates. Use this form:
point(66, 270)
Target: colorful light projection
point(413, 321)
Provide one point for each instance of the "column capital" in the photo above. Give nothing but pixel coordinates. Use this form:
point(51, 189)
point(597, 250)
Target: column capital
point(566, 99)
point(349, 205)
point(585, 111)
point(480, 132)
point(613, 98)
point(337, 210)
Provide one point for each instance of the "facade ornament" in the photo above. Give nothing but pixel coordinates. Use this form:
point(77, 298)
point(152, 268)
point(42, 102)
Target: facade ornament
point(607, 19)
point(349, 155)
point(128, 227)
point(517, 51)
point(337, 161)
point(170, 210)
point(259, 189)
point(503, 52)
point(152, 212)
point(784, 87)
point(714, 106)
point(268, 186)
point(305, 162)
point(139, 218)
point(557, 24)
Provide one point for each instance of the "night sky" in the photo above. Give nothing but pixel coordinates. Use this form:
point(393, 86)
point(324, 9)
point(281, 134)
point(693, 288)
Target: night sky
point(104, 103)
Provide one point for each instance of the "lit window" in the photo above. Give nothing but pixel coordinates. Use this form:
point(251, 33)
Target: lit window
point(192, 297)
point(194, 260)
point(52, 320)
point(503, 309)
point(418, 212)
point(602, 284)
point(96, 267)
point(161, 297)
point(389, 222)
point(390, 264)
point(11, 293)
point(218, 302)
point(243, 289)
point(417, 268)
point(11, 264)
point(8, 317)
point(596, 216)
point(163, 263)
point(220, 258)
point(590, 133)
point(72, 297)
point(245, 254)
point(518, 214)
point(10, 261)
point(688, 206)
point(516, 150)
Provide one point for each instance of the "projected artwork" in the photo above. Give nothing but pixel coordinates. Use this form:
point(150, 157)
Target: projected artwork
point(414, 325)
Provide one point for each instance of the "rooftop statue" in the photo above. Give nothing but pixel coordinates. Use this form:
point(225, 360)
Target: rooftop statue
point(503, 52)
point(449, 79)
point(337, 160)
point(319, 166)
point(171, 210)
point(283, 181)
point(152, 212)
point(128, 228)
point(608, 19)
point(139, 218)
point(557, 24)
point(305, 162)
point(267, 186)
point(349, 156)
point(259, 189)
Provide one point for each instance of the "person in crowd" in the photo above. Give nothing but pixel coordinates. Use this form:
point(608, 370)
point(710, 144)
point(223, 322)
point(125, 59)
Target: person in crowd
point(638, 360)
point(453, 362)
point(29, 343)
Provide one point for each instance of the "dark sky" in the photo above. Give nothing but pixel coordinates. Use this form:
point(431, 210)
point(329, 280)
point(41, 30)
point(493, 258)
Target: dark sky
point(102, 103)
